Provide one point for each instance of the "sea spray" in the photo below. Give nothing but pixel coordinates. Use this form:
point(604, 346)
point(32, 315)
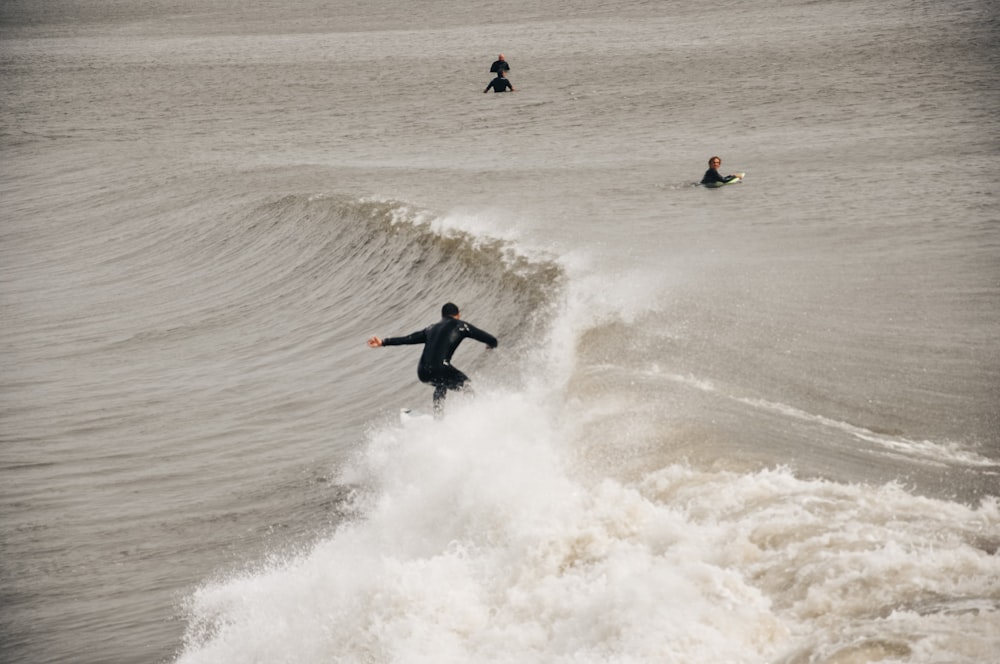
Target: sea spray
point(477, 541)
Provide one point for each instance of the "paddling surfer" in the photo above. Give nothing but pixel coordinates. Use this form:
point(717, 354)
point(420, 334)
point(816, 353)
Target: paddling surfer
point(712, 174)
point(440, 341)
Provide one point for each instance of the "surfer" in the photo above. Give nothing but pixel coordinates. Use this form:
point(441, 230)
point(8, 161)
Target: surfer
point(499, 84)
point(440, 341)
point(712, 174)
point(500, 65)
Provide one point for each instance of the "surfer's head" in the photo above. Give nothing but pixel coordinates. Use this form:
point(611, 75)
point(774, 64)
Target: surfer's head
point(715, 162)
point(449, 310)
point(500, 57)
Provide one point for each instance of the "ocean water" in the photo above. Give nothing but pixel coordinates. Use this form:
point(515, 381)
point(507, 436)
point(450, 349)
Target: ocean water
point(758, 424)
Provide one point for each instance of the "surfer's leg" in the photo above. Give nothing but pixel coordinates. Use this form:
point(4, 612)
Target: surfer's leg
point(440, 392)
point(454, 379)
point(448, 378)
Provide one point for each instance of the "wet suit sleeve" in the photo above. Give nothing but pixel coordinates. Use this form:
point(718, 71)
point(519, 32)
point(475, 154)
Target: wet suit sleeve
point(415, 338)
point(480, 335)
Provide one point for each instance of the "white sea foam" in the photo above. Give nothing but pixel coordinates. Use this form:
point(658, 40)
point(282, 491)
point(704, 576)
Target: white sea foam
point(478, 542)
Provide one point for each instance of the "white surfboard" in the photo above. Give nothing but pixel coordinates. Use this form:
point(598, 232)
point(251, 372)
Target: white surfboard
point(408, 415)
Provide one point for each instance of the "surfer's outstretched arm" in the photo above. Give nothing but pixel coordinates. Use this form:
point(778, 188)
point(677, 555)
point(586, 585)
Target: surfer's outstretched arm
point(418, 337)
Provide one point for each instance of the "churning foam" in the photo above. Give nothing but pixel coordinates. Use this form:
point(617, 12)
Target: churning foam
point(477, 542)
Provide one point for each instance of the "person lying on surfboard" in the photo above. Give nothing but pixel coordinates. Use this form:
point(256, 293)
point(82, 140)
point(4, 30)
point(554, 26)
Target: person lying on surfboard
point(712, 174)
point(440, 341)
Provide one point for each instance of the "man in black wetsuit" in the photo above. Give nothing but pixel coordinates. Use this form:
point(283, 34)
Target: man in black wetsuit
point(440, 341)
point(712, 174)
point(500, 66)
point(499, 84)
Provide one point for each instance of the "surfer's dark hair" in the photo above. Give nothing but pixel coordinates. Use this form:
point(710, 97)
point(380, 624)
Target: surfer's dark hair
point(449, 310)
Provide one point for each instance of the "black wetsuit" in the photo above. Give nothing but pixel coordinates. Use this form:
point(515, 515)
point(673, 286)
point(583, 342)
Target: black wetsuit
point(440, 341)
point(712, 176)
point(499, 84)
point(499, 66)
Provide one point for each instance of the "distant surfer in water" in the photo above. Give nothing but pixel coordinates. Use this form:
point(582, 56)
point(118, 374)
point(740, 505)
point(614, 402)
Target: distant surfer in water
point(712, 174)
point(499, 84)
point(500, 66)
point(440, 341)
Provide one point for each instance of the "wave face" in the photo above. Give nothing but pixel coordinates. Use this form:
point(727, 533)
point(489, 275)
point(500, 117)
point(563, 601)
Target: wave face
point(379, 257)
